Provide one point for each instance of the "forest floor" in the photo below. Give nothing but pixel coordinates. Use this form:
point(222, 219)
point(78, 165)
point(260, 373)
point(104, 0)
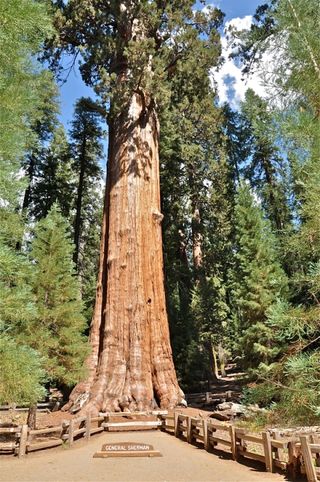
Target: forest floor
point(179, 462)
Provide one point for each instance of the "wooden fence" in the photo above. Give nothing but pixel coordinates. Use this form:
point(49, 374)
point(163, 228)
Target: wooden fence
point(209, 397)
point(41, 407)
point(21, 440)
point(295, 455)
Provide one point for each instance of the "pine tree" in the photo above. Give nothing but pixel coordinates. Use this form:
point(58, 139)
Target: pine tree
point(258, 280)
point(265, 167)
point(87, 151)
point(60, 323)
point(53, 177)
point(42, 130)
point(24, 25)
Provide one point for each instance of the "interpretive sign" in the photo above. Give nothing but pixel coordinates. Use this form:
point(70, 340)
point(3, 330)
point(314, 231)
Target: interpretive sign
point(127, 449)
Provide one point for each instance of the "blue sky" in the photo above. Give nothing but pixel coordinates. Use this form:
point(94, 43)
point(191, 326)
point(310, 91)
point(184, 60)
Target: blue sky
point(75, 88)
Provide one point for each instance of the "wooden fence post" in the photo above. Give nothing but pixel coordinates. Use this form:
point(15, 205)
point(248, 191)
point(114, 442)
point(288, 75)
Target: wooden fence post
point(307, 458)
point(71, 433)
point(293, 466)
point(267, 451)
point(232, 434)
point(23, 441)
point(88, 426)
point(207, 397)
point(206, 441)
point(176, 424)
point(189, 430)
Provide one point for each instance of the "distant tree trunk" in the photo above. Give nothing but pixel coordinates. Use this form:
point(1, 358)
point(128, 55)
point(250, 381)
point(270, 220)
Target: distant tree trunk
point(213, 360)
point(222, 360)
point(30, 175)
point(131, 366)
point(196, 239)
point(32, 416)
point(78, 219)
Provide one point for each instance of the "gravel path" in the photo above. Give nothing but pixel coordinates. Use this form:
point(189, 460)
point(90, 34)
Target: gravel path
point(181, 462)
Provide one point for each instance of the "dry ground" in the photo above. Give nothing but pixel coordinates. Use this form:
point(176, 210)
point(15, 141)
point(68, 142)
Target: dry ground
point(181, 462)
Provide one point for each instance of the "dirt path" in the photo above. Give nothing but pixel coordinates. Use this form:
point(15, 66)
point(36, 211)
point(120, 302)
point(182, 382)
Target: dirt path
point(181, 462)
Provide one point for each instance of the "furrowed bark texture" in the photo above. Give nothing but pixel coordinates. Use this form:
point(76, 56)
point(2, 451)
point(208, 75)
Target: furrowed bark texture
point(131, 366)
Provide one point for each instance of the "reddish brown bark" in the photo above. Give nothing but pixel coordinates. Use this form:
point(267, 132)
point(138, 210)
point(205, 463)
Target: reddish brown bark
point(131, 366)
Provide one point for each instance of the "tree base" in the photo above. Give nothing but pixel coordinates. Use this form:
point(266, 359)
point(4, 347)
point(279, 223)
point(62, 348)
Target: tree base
point(81, 401)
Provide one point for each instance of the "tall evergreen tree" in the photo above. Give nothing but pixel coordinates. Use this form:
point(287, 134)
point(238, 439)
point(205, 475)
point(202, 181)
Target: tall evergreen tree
point(87, 151)
point(42, 129)
point(24, 25)
point(54, 178)
point(59, 323)
point(265, 168)
point(258, 282)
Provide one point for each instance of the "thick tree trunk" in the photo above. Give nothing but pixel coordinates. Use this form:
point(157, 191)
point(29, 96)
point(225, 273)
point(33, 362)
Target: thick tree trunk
point(131, 366)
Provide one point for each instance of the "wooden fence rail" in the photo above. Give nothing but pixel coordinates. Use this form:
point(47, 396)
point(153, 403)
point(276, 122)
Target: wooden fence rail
point(41, 407)
point(269, 447)
point(209, 397)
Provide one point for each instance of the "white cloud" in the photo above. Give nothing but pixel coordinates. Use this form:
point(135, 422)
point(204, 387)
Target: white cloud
point(239, 23)
point(231, 83)
point(211, 6)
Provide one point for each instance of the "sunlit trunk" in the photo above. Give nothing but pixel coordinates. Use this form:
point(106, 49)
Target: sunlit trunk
point(131, 365)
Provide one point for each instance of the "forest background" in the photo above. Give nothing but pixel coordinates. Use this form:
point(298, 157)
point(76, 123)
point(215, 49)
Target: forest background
point(240, 185)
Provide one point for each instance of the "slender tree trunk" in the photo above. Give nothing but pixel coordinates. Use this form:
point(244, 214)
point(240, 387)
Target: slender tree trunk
point(131, 366)
point(78, 220)
point(196, 239)
point(222, 360)
point(27, 193)
point(213, 360)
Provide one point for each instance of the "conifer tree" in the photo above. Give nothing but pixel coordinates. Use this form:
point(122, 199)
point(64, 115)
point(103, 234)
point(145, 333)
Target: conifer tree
point(265, 167)
point(42, 129)
point(86, 147)
point(59, 323)
point(259, 280)
point(54, 178)
point(24, 25)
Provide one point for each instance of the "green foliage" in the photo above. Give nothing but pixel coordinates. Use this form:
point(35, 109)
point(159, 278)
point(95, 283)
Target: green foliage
point(21, 373)
point(258, 279)
point(54, 176)
point(60, 322)
point(264, 166)
point(24, 26)
point(147, 40)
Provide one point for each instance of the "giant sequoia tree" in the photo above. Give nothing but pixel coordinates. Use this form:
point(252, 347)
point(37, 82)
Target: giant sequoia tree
point(130, 51)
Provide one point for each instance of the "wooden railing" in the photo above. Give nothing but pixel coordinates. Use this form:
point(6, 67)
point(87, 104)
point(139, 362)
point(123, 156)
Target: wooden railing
point(41, 407)
point(22, 440)
point(209, 397)
point(294, 455)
